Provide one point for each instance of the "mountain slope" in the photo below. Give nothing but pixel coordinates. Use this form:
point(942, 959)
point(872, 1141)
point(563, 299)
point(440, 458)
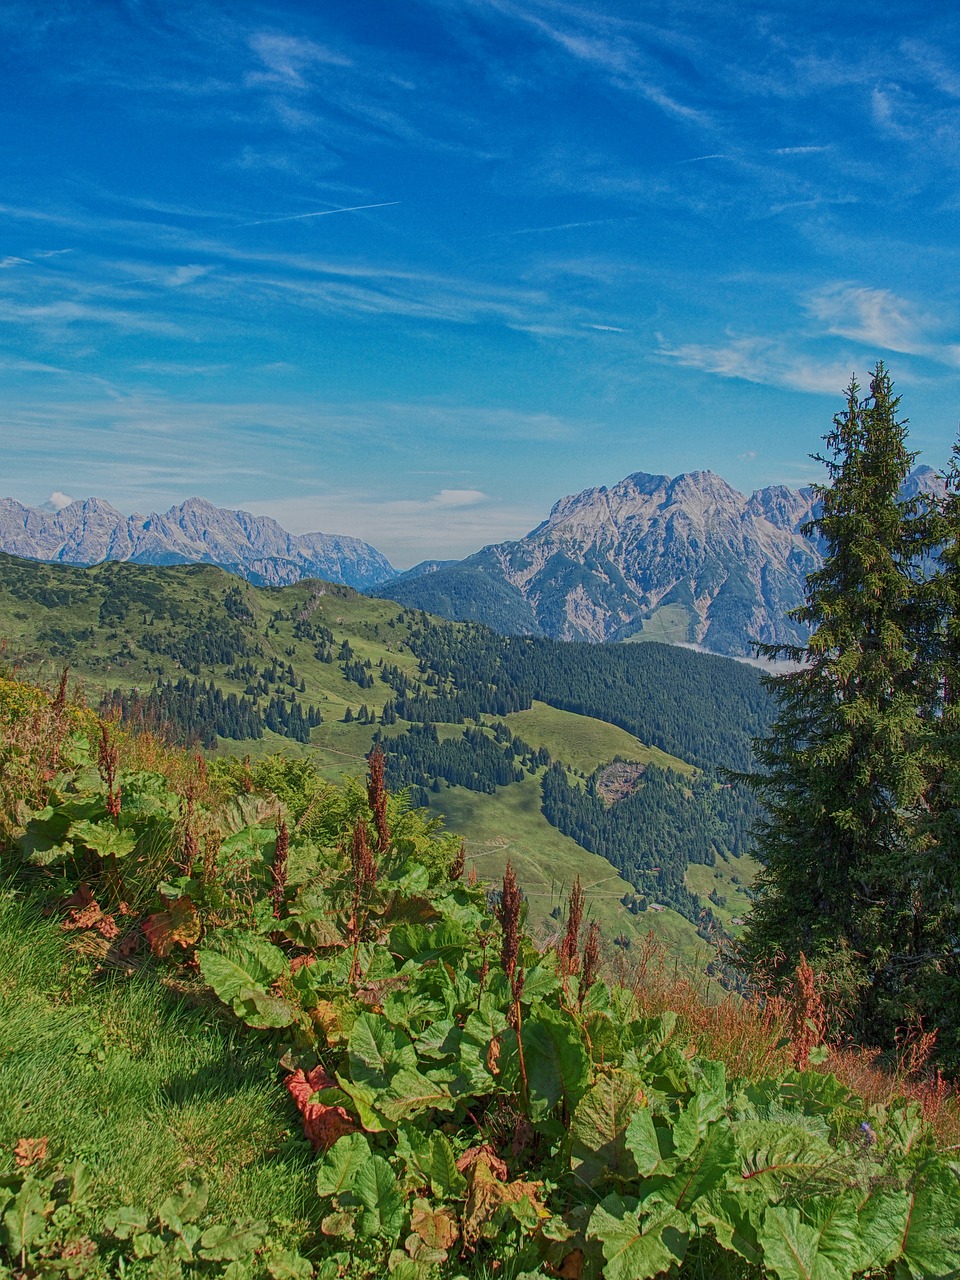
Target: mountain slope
point(686, 559)
point(196, 532)
point(470, 720)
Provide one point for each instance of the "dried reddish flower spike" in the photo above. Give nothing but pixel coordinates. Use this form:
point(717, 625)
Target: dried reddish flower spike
point(30, 1151)
point(569, 950)
point(361, 858)
point(591, 960)
point(108, 761)
point(278, 871)
point(459, 862)
point(377, 795)
point(508, 913)
point(808, 1016)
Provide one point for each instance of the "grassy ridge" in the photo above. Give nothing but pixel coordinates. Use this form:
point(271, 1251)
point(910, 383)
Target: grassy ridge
point(583, 742)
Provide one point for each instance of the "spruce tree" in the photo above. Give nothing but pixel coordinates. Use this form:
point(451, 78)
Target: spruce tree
point(843, 773)
point(932, 970)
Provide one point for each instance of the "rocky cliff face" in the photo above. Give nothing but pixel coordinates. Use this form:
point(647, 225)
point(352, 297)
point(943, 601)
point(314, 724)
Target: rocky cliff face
point(686, 559)
point(196, 532)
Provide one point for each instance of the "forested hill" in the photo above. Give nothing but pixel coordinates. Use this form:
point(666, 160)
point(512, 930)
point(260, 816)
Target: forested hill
point(522, 731)
point(704, 709)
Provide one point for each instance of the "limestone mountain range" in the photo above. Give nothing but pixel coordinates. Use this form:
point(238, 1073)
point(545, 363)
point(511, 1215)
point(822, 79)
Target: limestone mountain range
point(685, 559)
point(255, 547)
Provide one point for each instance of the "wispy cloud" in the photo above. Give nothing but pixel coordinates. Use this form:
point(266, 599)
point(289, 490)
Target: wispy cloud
point(880, 318)
point(764, 361)
point(874, 316)
point(287, 58)
point(406, 530)
point(318, 213)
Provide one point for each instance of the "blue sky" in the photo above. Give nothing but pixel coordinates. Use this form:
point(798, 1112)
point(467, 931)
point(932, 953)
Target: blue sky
point(413, 271)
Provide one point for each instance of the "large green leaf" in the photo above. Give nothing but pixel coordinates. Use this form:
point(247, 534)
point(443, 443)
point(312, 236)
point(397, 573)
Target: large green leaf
point(796, 1250)
point(364, 1100)
point(338, 1169)
point(427, 942)
point(24, 1218)
point(707, 1104)
point(638, 1248)
point(103, 838)
point(483, 1029)
point(261, 1010)
point(776, 1152)
point(735, 1219)
point(184, 1206)
point(377, 1189)
point(241, 965)
point(409, 1094)
point(230, 1243)
point(881, 1226)
point(377, 1051)
point(710, 1167)
point(541, 980)
point(931, 1242)
point(557, 1063)
point(643, 1142)
point(445, 1178)
point(599, 1146)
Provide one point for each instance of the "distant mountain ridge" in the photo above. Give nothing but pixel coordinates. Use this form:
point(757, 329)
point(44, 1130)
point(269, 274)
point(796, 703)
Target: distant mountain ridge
point(686, 559)
point(195, 532)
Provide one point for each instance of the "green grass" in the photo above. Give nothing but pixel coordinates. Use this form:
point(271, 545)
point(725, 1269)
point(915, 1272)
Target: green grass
point(583, 742)
point(670, 624)
point(146, 1087)
point(702, 880)
point(509, 826)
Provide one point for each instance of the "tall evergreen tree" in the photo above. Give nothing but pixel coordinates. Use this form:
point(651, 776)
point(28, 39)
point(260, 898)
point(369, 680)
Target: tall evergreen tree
point(934, 966)
point(843, 775)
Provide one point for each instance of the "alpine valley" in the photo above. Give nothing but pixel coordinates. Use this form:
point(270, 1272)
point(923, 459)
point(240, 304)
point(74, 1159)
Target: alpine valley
point(603, 761)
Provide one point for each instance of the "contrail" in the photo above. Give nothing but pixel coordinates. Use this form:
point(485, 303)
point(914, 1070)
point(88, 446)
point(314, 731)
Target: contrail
point(321, 213)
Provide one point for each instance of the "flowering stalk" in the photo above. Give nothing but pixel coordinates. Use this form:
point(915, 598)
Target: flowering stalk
point(568, 954)
point(364, 870)
point(59, 713)
point(591, 961)
point(108, 761)
point(278, 872)
point(508, 913)
point(459, 862)
point(377, 795)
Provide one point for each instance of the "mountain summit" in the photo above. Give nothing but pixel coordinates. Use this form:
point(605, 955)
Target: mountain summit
point(686, 559)
point(195, 532)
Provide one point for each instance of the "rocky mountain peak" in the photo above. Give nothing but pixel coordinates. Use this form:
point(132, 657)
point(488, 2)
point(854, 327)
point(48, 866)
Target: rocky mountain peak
point(685, 559)
point(90, 530)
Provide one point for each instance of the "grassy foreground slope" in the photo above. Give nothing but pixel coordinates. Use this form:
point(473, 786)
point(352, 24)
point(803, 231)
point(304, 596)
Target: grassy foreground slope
point(475, 1106)
point(164, 640)
point(145, 1085)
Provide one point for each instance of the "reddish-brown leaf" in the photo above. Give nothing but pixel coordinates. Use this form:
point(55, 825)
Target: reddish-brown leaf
point(489, 1157)
point(30, 1151)
point(179, 925)
point(322, 1124)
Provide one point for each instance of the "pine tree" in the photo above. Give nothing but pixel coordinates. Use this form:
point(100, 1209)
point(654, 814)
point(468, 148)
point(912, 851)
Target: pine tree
point(844, 775)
